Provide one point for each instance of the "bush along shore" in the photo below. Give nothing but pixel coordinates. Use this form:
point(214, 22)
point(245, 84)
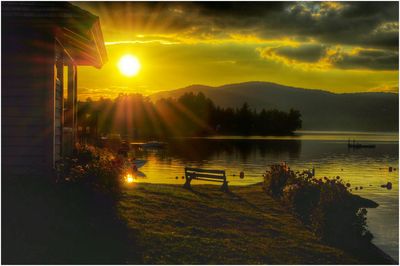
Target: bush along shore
point(327, 207)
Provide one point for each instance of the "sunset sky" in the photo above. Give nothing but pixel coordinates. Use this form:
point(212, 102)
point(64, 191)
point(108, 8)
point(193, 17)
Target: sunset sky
point(334, 46)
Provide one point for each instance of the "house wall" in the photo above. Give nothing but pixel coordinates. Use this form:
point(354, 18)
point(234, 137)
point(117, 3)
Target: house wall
point(28, 82)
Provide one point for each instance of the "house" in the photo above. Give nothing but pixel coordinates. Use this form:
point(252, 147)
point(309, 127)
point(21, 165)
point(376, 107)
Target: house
point(43, 43)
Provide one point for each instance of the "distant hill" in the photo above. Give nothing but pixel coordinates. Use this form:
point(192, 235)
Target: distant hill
point(321, 110)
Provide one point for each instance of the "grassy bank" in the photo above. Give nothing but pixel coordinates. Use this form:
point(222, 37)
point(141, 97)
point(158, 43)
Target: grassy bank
point(206, 226)
point(52, 224)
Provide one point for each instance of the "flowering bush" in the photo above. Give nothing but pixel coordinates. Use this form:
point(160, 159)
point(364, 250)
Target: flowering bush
point(276, 178)
point(91, 166)
point(326, 205)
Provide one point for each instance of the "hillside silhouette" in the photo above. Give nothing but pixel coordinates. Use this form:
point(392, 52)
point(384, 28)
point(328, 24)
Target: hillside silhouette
point(321, 110)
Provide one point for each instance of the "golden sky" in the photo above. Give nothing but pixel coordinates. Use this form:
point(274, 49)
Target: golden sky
point(334, 46)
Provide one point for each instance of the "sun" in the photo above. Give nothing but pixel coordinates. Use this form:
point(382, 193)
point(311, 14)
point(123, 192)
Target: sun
point(129, 65)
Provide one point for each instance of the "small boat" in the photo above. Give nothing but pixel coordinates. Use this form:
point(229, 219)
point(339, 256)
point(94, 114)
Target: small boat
point(139, 174)
point(153, 144)
point(139, 163)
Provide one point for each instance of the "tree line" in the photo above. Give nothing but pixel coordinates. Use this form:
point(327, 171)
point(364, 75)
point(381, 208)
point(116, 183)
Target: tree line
point(190, 115)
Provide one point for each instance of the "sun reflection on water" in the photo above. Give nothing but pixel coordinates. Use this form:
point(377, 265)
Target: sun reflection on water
point(129, 178)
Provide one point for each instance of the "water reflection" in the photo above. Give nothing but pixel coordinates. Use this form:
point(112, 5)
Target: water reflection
point(205, 149)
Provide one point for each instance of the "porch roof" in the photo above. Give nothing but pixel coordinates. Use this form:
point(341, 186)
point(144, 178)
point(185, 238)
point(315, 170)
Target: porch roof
point(77, 30)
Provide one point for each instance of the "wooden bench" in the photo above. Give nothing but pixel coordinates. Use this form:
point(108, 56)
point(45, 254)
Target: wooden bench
point(206, 175)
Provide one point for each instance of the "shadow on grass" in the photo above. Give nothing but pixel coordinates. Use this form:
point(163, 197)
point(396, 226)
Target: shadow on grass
point(46, 223)
point(198, 193)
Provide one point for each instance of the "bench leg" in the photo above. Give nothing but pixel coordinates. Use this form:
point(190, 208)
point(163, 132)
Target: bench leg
point(187, 183)
point(224, 187)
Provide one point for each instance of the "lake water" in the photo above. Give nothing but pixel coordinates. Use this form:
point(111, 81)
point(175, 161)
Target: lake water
point(327, 152)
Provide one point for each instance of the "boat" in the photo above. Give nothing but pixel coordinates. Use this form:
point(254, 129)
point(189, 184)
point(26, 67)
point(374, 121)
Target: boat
point(139, 163)
point(139, 174)
point(153, 144)
point(355, 145)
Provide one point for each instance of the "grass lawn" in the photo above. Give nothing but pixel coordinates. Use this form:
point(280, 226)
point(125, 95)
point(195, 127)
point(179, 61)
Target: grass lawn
point(161, 224)
point(206, 226)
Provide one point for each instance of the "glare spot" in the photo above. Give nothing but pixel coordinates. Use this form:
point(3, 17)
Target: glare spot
point(129, 65)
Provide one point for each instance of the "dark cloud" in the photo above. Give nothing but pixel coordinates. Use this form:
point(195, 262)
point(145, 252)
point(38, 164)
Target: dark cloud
point(337, 22)
point(369, 59)
point(334, 57)
point(353, 23)
point(304, 53)
point(363, 24)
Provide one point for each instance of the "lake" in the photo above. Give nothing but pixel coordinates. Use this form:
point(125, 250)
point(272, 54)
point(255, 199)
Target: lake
point(327, 152)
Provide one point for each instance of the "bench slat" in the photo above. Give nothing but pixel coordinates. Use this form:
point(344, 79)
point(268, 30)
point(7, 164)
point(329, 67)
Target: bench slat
point(213, 180)
point(189, 169)
point(195, 175)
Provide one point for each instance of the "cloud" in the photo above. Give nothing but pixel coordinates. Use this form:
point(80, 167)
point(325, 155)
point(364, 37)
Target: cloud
point(142, 42)
point(99, 92)
point(366, 24)
point(305, 53)
point(349, 23)
point(367, 59)
point(327, 57)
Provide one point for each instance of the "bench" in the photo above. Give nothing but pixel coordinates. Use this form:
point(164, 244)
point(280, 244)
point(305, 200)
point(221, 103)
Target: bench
point(206, 175)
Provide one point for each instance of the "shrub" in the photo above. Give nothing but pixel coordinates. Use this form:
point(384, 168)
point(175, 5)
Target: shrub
point(91, 166)
point(326, 205)
point(276, 178)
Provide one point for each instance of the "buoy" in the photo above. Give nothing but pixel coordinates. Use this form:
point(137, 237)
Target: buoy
point(389, 185)
point(361, 187)
point(241, 175)
point(390, 169)
point(183, 177)
point(176, 177)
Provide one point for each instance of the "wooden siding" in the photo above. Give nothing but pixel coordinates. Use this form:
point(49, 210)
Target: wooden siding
point(27, 79)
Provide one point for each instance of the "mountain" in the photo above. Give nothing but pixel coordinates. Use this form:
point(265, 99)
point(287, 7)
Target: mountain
point(321, 110)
